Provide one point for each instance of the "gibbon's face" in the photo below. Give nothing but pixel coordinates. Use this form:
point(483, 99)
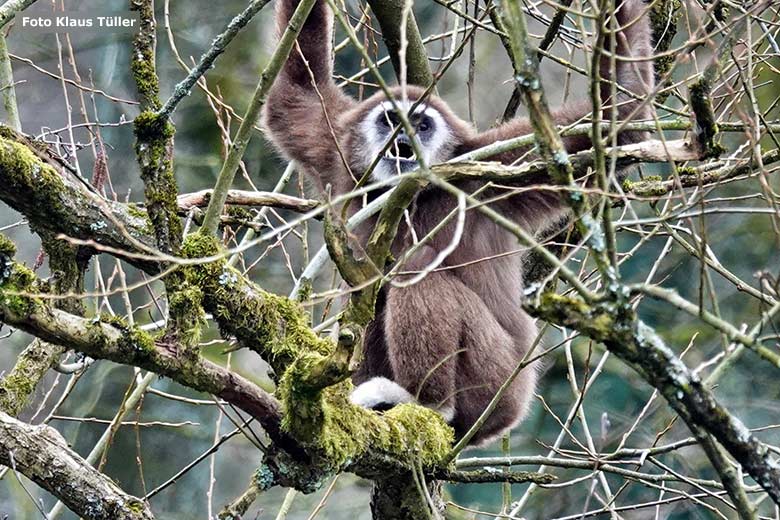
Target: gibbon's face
point(431, 129)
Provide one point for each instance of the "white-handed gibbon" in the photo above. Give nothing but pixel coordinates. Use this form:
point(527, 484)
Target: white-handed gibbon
point(450, 340)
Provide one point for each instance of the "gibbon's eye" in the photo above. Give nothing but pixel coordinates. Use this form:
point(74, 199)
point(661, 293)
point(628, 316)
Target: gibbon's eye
point(384, 120)
point(424, 125)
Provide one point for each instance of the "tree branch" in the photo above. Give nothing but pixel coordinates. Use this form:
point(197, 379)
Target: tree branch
point(42, 455)
point(37, 184)
point(389, 13)
point(154, 135)
point(616, 325)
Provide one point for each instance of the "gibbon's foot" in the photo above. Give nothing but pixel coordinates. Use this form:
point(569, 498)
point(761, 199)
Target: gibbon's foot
point(381, 394)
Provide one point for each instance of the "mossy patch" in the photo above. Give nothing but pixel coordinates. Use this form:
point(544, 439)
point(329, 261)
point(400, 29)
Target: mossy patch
point(274, 326)
point(705, 127)
point(16, 288)
point(7, 252)
point(664, 16)
point(327, 421)
point(19, 384)
point(154, 141)
point(24, 172)
point(186, 314)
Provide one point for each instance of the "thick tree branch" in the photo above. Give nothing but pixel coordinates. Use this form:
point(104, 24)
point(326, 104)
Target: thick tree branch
point(154, 135)
point(389, 13)
point(37, 184)
point(694, 178)
point(42, 455)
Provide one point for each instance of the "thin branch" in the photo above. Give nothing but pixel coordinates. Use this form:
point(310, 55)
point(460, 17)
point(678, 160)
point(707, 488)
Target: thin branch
point(218, 46)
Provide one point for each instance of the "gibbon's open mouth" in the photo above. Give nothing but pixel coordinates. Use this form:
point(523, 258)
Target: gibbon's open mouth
point(401, 152)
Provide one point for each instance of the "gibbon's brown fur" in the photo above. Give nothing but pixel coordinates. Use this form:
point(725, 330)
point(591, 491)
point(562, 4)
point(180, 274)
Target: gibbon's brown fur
point(453, 338)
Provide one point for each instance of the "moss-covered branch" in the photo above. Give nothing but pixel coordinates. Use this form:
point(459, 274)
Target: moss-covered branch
point(332, 431)
point(694, 178)
point(664, 16)
point(154, 135)
point(67, 264)
point(278, 329)
point(42, 455)
point(37, 184)
point(114, 340)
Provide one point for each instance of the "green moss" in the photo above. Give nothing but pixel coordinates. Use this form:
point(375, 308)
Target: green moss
point(133, 339)
point(151, 127)
point(274, 326)
point(187, 318)
point(154, 135)
point(139, 212)
point(685, 171)
point(16, 288)
point(602, 325)
point(19, 384)
point(25, 172)
point(143, 66)
point(7, 252)
point(705, 128)
point(15, 388)
point(327, 421)
point(664, 16)
point(552, 299)
point(7, 247)
point(136, 506)
point(239, 212)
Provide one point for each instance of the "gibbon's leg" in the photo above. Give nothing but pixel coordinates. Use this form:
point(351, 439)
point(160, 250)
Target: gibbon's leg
point(423, 330)
point(491, 355)
point(421, 337)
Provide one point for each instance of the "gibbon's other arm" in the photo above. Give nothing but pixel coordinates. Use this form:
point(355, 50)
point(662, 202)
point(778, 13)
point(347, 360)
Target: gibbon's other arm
point(633, 72)
point(303, 125)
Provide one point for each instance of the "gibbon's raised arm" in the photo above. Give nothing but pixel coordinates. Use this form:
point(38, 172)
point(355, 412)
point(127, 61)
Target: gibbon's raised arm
point(633, 71)
point(304, 103)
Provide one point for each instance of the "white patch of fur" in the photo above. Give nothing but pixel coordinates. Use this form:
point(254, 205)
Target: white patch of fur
point(434, 151)
point(380, 390)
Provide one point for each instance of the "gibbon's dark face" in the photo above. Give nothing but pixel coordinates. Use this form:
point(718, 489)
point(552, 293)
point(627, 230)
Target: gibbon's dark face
point(432, 133)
